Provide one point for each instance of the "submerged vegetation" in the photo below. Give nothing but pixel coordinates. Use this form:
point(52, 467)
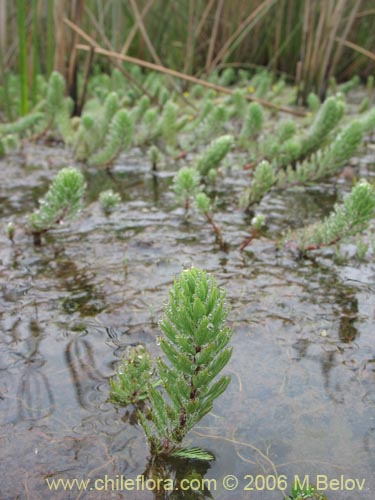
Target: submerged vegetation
point(244, 112)
point(284, 154)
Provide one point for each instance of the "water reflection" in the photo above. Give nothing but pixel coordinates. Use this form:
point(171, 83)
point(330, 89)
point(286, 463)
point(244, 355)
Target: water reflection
point(34, 395)
point(81, 362)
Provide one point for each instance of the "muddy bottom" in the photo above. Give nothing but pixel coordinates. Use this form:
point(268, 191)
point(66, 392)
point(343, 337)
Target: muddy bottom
point(302, 397)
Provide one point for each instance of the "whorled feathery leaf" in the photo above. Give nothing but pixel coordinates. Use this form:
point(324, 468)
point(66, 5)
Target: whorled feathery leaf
point(130, 385)
point(62, 202)
point(119, 138)
point(347, 219)
point(186, 185)
point(195, 344)
point(213, 155)
point(253, 122)
point(264, 179)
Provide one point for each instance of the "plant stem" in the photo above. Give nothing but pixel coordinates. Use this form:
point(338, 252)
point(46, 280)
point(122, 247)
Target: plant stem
point(22, 56)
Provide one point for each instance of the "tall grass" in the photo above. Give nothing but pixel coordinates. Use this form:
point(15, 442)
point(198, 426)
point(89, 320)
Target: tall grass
point(22, 56)
point(305, 39)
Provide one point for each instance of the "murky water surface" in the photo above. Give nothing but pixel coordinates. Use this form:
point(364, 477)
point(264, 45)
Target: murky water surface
point(302, 396)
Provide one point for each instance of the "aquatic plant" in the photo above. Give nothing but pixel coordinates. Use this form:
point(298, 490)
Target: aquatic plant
point(227, 77)
point(205, 208)
point(299, 492)
point(213, 155)
point(186, 185)
point(264, 178)
point(62, 202)
point(257, 224)
point(313, 102)
point(55, 94)
point(139, 110)
point(214, 122)
point(168, 124)
point(119, 137)
point(155, 157)
point(10, 231)
point(130, 385)
point(22, 125)
point(350, 84)
point(109, 200)
point(253, 122)
point(328, 116)
point(285, 130)
point(238, 102)
point(327, 162)
point(349, 218)
point(10, 143)
point(195, 344)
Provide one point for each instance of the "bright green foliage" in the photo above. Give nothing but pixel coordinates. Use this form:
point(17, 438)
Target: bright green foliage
point(253, 122)
point(55, 94)
point(130, 386)
point(139, 110)
point(149, 126)
point(350, 84)
point(227, 77)
point(168, 124)
point(330, 113)
point(11, 143)
point(327, 162)
point(119, 138)
point(195, 345)
point(111, 106)
point(64, 121)
point(347, 219)
point(22, 125)
point(87, 138)
point(214, 154)
point(285, 130)
point(2, 148)
point(109, 200)
point(215, 121)
point(155, 156)
point(186, 185)
point(239, 103)
point(364, 105)
point(62, 201)
point(313, 102)
point(308, 493)
point(262, 83)
point(296, 148)
point(264, 179)
point(368, 121)
point(203, 203)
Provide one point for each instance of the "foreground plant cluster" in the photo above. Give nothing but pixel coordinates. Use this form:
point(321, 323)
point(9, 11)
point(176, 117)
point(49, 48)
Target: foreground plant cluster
point(200, 134)
point(205, 133)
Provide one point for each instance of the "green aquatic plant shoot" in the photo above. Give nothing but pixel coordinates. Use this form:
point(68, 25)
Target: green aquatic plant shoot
point(195, 343)
point(264, 179)
point(119, 138)
point(253, 123)
point(109, 200)
point(62, 202)
point(213, 155)
point(130, 385)
point(347, 219)
point(186, 185)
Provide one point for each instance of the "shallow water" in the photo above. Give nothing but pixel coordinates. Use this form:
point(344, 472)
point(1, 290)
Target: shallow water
point(302, 396)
